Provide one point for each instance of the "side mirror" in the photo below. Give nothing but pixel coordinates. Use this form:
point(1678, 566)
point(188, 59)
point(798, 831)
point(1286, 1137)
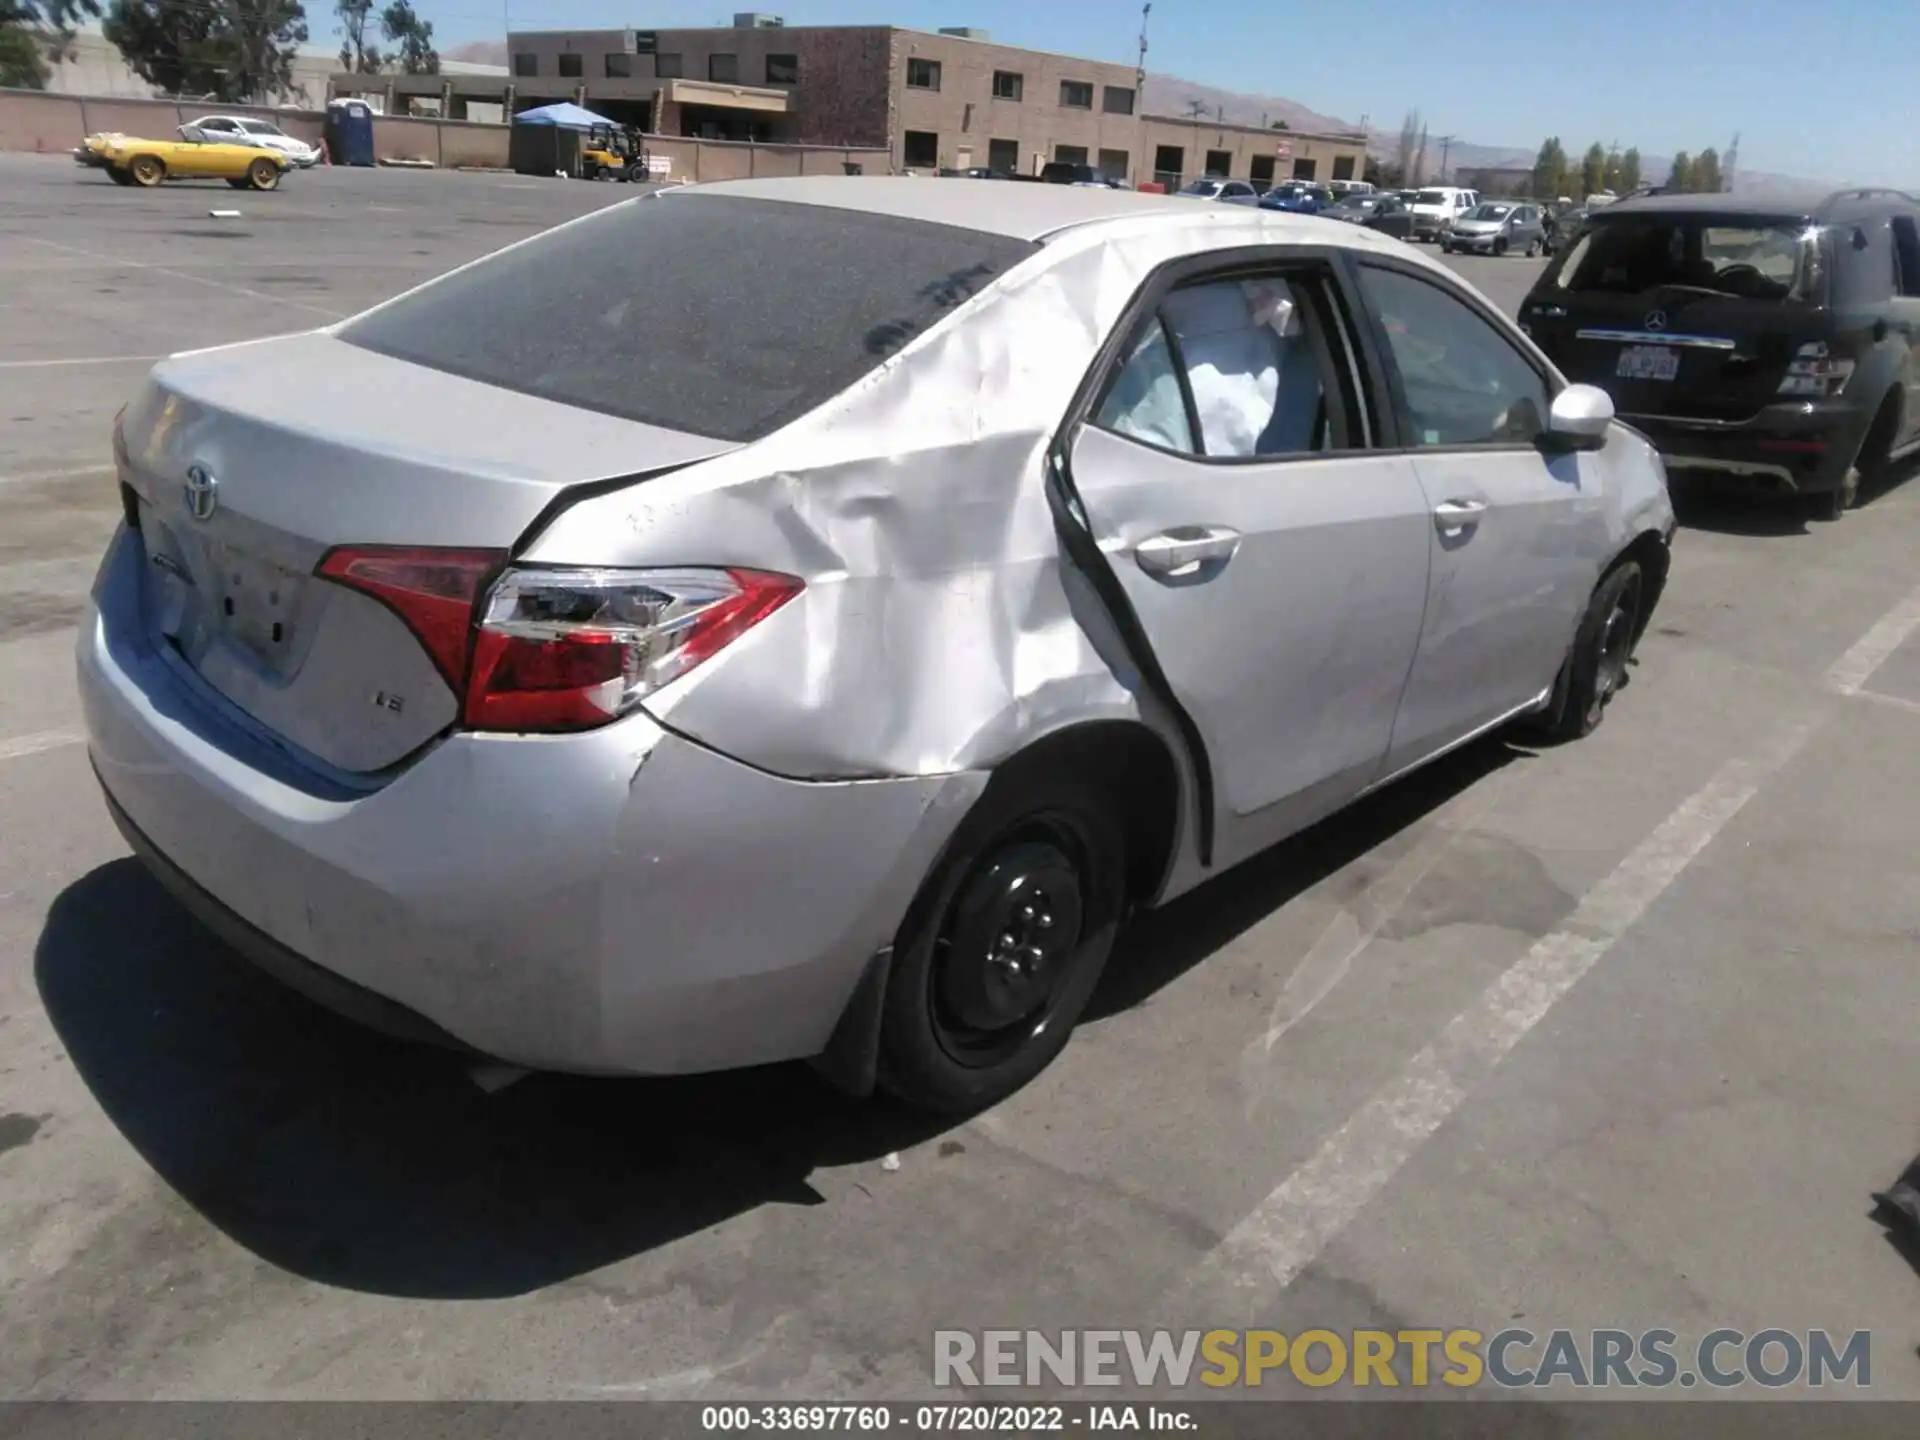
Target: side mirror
point(1579, 418)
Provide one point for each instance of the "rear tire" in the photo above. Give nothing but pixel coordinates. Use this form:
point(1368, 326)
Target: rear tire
point(263, 175)
point(147, 170)
point(1830, 505)
point(1596, 667)
point(1004, 944)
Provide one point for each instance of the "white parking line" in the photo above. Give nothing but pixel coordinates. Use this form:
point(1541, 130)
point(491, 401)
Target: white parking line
point(34, 477)
point(1288, 1230)
point(1853, 669)
point(23, 745)
point(82, 360)
point(225, 286)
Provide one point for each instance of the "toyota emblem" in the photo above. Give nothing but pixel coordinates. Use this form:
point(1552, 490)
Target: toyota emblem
point(202, 491)
point(1656, 320)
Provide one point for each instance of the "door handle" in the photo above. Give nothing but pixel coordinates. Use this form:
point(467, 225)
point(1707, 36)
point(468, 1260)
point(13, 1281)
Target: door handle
point(1184, 548)
point(1452, 515)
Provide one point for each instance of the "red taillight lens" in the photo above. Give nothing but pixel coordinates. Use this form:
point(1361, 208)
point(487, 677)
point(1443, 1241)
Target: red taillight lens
point(571, 649)
point(432, 590)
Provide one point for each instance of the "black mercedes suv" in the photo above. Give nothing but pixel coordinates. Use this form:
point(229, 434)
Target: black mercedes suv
point(1772, 341)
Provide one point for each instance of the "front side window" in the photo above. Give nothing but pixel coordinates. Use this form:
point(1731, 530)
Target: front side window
point(628, 313)
point(261, 127)
point(1464, 383)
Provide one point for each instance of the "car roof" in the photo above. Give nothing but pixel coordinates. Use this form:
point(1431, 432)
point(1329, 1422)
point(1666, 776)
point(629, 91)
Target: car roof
point(1794, 204)
point(1019, 210)
point(1035, 212)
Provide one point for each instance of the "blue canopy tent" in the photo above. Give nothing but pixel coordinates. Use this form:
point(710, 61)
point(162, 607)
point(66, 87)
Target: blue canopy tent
point(565, 115)
point(549, 139)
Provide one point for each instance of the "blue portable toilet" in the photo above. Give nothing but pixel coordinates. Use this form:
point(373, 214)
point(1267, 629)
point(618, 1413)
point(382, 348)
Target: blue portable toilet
point(350, 132)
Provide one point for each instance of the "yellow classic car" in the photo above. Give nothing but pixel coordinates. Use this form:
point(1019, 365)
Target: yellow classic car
point(194, 156)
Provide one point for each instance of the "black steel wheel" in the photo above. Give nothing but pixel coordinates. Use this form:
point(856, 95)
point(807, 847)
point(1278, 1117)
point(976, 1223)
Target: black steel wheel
point(1596, 668)
point(1004, 945)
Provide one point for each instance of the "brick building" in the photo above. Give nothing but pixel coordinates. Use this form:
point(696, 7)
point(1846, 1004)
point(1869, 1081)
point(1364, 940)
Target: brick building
point(946, 100)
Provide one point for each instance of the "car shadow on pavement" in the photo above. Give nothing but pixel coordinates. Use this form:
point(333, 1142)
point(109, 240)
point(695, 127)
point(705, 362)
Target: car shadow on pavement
point(1726, 508)
point(1162, 945)
point(366, 1163)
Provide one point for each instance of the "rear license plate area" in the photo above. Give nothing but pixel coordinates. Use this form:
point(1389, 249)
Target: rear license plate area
point(253, 601)
point(1647, 362)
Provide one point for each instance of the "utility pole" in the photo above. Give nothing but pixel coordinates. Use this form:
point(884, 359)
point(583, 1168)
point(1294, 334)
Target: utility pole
point(1140, 73)
point(1726, 168)
point(1446, 147)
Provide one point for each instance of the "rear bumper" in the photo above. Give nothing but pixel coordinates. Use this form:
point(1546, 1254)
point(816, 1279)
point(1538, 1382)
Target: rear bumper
point(622, 901)
point(1792, 447)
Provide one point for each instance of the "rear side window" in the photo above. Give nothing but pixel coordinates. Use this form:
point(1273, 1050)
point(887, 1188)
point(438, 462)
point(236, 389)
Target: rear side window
point(1906, 256)
point(709, 315)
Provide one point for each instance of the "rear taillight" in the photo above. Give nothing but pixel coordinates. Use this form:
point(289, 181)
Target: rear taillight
point(556, 650)
point(432, 590)
point(1816, 372)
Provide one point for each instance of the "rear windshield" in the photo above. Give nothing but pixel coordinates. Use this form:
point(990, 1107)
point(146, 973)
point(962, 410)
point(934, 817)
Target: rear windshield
point(1749, 259)
point(712, 315)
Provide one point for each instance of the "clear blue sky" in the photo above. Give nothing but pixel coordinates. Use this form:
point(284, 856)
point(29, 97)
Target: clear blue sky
point(1664, 75)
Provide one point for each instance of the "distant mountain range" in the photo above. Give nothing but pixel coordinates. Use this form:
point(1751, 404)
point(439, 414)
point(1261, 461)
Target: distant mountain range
point(1170, 95)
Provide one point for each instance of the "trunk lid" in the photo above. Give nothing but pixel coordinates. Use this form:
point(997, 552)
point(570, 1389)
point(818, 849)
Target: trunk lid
point(251, 462)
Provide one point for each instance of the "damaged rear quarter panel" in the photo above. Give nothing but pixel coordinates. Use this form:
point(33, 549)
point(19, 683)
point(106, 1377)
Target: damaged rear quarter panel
point(940, 629)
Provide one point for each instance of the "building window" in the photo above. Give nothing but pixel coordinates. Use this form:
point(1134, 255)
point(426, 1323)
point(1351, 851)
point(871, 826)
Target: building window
point(1008, 85)
point(1303, 169)
point(1219, 162)
point(1069, 154)
point(571, 68)
point(1076, 94)
point(667, 66)
point(1115, 164)
point(1343, 167)
point(1168, 161)
point(723, 69)
point(923, 74)
point(619, 65)
point(1003, 157)
point(783, 69)
point(920, 150)
point(1117, 100)
point(525, 64)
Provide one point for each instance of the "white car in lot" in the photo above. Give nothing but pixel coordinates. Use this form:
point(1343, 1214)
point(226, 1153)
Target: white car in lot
point(1436, 208)
point(244, 130)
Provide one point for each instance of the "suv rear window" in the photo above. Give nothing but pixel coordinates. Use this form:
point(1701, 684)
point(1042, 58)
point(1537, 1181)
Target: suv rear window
point(705, 314)
point(1748, 259)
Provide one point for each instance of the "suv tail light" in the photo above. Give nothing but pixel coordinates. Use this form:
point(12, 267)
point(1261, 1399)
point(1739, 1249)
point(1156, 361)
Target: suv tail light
point(558, 650)
point(1815, 371)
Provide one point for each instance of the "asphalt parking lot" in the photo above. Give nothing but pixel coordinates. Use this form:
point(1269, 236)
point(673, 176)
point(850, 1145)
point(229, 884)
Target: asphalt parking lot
point(1621, 1034)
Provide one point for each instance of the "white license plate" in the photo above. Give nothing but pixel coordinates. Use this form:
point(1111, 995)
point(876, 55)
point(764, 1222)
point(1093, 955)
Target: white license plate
point(1647, 362)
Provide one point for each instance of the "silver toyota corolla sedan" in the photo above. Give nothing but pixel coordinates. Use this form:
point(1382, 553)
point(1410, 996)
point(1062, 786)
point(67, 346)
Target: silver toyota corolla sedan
point(803, 618)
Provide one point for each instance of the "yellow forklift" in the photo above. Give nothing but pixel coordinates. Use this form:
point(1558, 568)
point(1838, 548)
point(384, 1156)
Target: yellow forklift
point(613, 152)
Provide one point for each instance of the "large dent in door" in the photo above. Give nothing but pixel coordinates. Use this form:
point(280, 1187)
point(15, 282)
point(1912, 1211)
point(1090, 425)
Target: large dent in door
point(941, 629)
